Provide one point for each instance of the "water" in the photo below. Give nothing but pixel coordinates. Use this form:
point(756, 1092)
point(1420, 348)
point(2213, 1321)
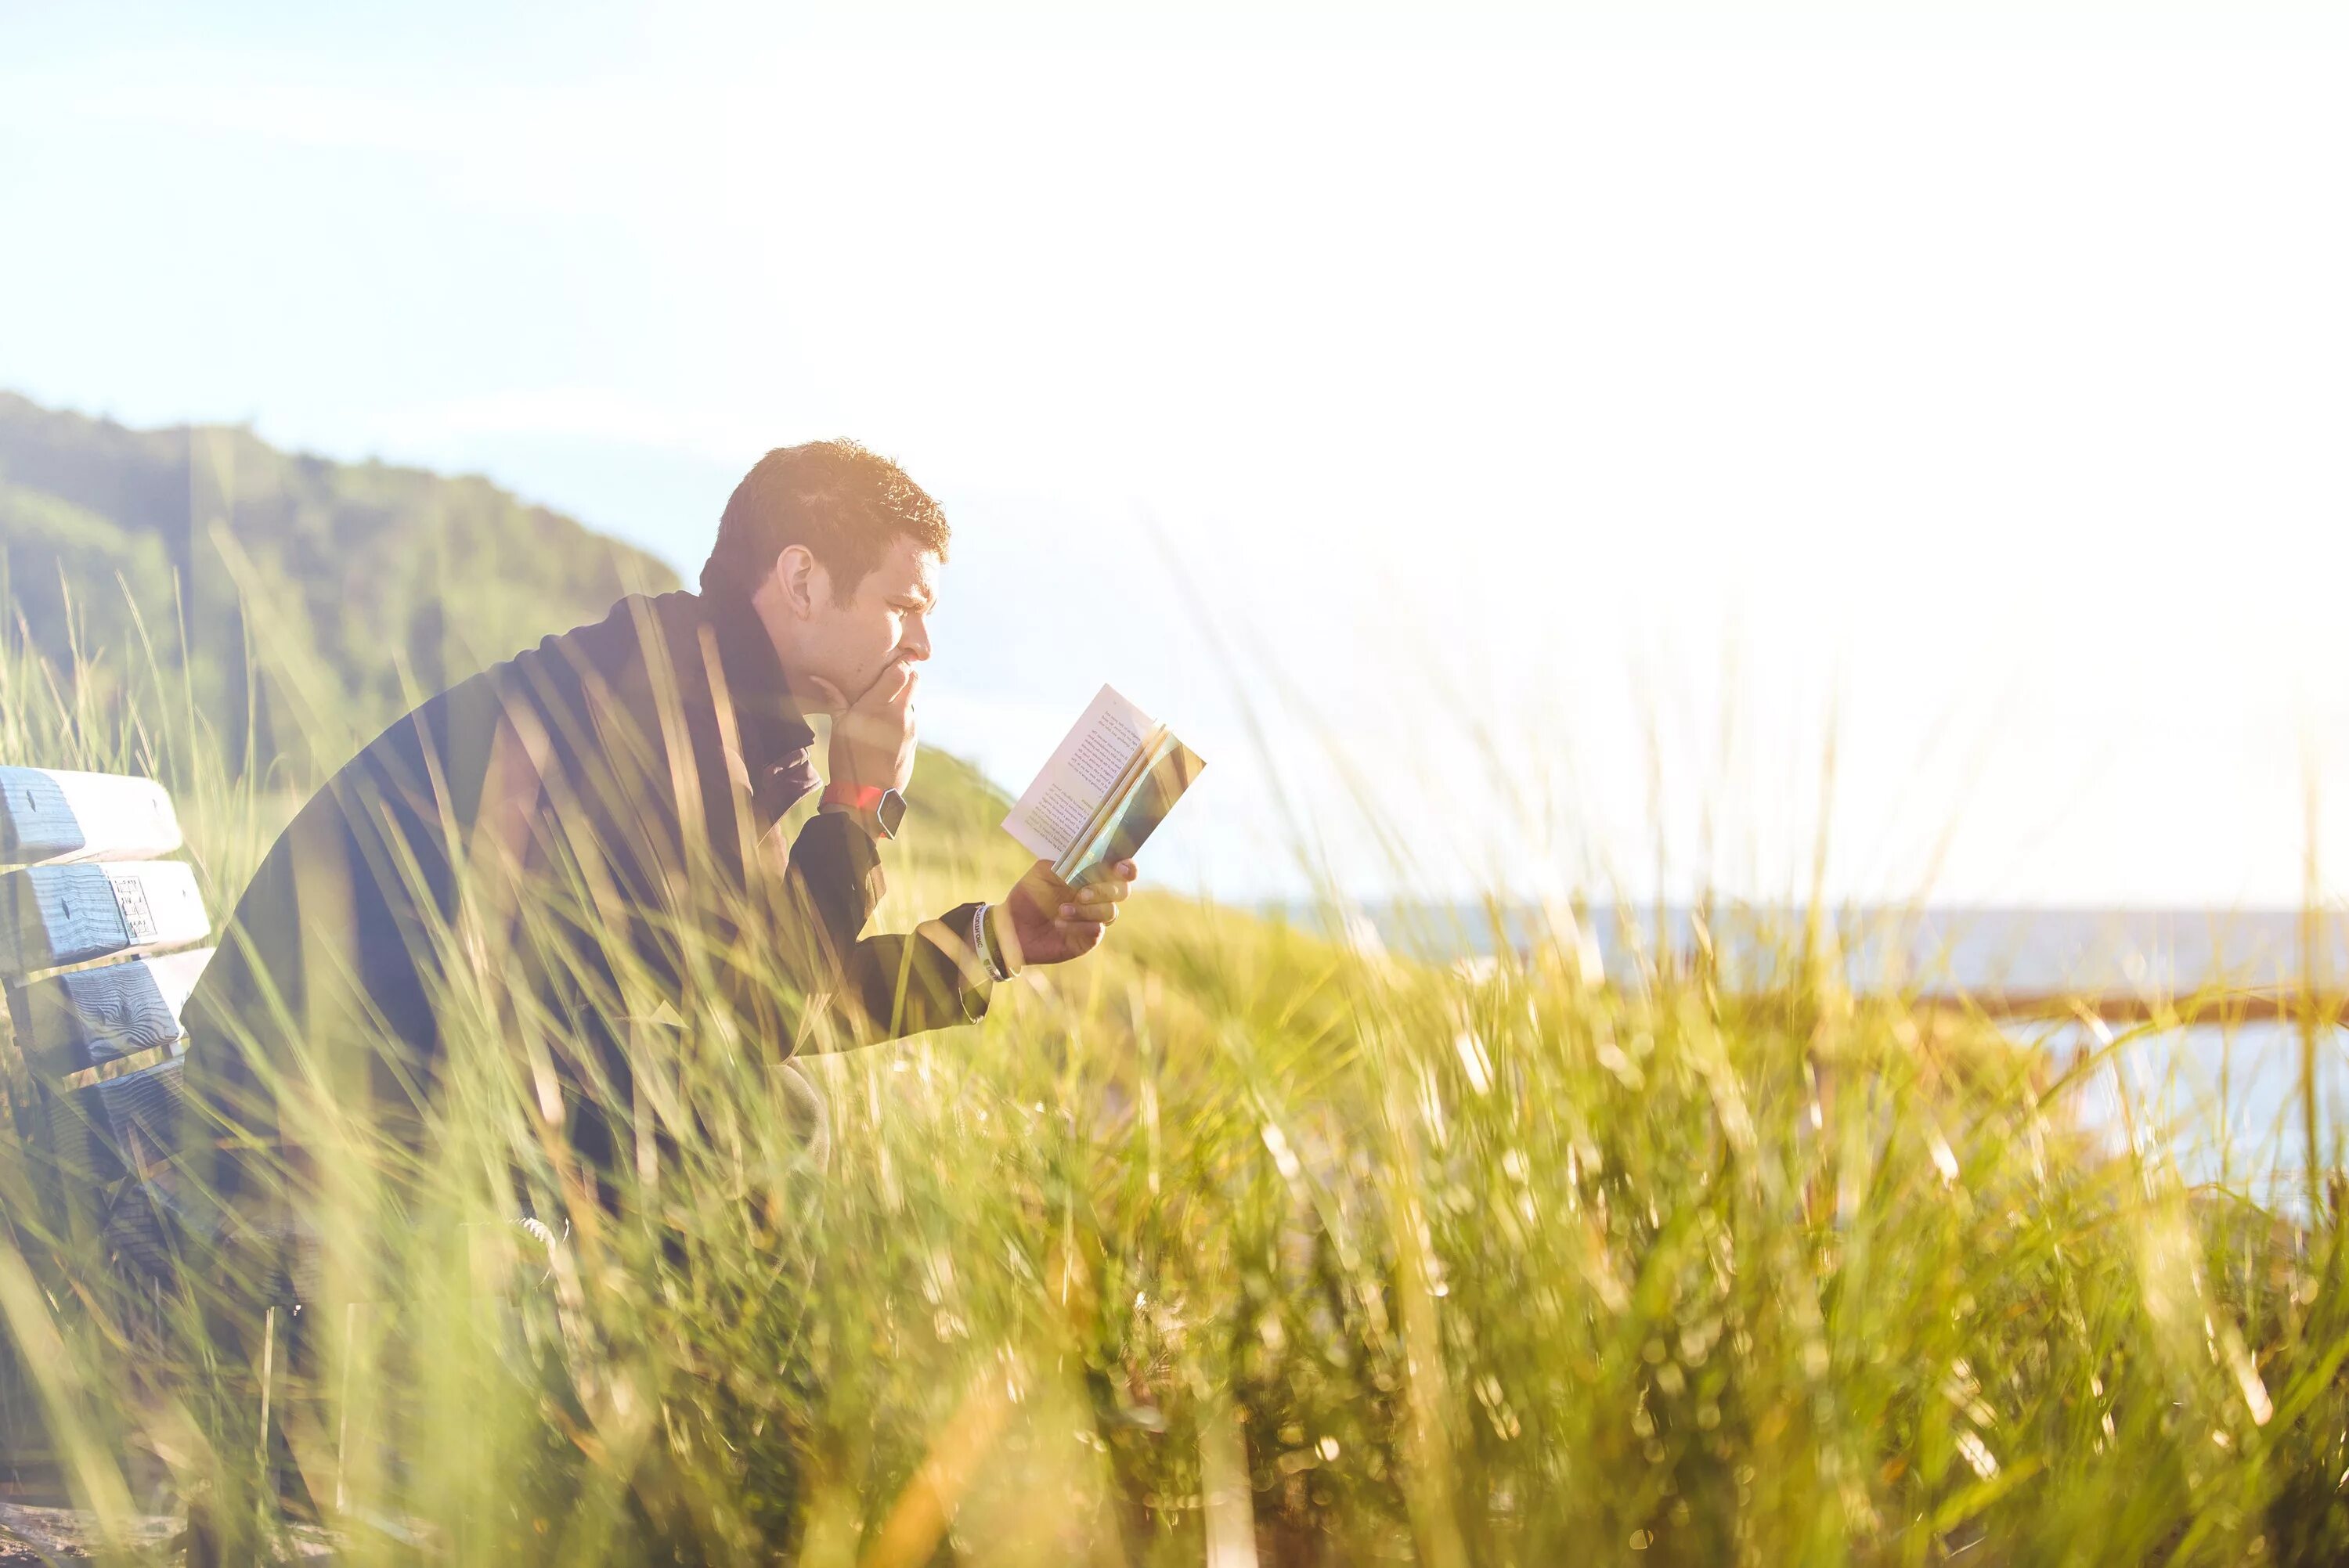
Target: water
point(2223, 1100)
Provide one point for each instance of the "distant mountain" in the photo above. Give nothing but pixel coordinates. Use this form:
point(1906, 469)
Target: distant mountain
point(342, 574)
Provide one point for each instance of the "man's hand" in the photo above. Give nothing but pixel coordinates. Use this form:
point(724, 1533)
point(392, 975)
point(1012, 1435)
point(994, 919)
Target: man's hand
point(872, 736)
point(1045, 921)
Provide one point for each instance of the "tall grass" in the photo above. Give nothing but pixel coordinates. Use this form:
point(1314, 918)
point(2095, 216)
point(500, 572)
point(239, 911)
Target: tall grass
point(1236, 1243)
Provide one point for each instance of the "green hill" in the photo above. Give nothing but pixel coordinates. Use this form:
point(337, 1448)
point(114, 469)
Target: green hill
point(356, 575)
point(335, 591)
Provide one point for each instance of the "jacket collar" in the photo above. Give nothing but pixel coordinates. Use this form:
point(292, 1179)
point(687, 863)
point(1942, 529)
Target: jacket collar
point(775, 734)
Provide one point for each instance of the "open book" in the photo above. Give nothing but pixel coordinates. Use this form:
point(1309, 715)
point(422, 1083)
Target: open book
point(1113, 781)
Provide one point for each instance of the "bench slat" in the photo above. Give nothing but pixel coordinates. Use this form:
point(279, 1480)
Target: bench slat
point(50, 817)
point(113, 1143)
point(107, 1049)
point(55, 915)
point(77, 1022)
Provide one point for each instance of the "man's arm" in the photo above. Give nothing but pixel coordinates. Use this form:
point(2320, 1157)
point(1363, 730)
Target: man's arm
point(942, 972)
point(884, 987)
point(857, 989)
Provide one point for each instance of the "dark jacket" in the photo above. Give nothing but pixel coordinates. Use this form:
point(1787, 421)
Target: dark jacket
point(560, 850)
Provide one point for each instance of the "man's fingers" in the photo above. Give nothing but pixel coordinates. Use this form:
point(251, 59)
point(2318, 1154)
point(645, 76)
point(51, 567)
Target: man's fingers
point(1109, 890)
point(1081, 935)
point(1075, 913)
point(893, 687)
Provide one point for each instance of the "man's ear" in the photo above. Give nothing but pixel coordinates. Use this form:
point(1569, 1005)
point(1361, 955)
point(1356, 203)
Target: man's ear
point(800, 580)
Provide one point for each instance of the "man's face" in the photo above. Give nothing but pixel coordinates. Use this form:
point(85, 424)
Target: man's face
point(882, 621)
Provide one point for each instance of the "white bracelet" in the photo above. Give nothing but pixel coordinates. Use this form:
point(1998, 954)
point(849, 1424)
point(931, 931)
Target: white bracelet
point(985, 953)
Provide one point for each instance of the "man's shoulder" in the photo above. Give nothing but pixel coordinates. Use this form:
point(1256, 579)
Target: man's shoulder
point(618, 639)
point(616, 655)
point(608, 655)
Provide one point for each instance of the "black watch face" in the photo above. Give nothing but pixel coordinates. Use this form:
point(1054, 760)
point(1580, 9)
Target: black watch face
point(892, 811)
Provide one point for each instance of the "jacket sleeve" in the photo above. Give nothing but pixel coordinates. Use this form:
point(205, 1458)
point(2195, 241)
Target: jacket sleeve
point(857, 989)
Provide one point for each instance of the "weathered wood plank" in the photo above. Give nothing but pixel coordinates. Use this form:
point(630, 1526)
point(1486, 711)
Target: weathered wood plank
point(54, 915)
point(107, 1048)
point(87, 1018)
point(50, 817)
point(113, 1144)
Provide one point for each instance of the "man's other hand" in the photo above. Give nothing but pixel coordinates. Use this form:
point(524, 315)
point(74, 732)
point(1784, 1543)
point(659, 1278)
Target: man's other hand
point(1046, 921)
point(872, 736)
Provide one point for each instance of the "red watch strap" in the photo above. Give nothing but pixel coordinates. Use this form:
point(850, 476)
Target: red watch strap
point(867, 797)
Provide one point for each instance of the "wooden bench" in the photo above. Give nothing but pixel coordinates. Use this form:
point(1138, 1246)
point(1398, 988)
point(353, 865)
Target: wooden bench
point(98, 954)
point(100, 946)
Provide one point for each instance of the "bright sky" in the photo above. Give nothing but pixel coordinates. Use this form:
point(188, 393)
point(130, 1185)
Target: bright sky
point(1650, 391)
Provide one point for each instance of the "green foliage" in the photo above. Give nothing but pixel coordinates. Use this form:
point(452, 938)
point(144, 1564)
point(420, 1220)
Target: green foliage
point(376, 582)
point(1229, 1241)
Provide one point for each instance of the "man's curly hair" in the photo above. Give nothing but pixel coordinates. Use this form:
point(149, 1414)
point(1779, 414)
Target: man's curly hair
point(844, 503)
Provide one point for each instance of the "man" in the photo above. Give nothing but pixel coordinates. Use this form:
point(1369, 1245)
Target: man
point(579, 846)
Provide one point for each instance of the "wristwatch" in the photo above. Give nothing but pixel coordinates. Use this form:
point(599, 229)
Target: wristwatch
point(877, 810)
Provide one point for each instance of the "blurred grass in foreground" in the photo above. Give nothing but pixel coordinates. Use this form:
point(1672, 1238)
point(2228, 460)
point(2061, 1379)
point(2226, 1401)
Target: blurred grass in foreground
point(1233, 1244)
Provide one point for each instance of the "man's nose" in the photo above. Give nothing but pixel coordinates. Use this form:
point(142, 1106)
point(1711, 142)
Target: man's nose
point(917, 640)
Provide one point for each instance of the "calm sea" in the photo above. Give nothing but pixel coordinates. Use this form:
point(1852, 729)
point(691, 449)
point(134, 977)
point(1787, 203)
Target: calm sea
point(2228, 1097)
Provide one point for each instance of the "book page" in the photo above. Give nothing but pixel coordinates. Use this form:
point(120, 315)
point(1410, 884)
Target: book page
point(1079, 775)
